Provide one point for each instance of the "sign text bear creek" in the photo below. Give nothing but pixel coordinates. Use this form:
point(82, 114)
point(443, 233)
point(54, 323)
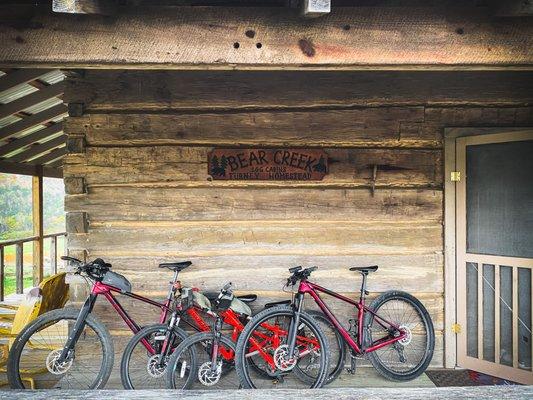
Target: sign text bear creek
point(268, 164)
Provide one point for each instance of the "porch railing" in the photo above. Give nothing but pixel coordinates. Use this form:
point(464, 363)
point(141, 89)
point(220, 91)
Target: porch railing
point(19, 259)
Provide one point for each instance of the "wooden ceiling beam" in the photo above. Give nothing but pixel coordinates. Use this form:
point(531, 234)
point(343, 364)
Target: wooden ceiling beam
point(31, 138)
point(352, 38)
point(32, 120)
point(29, 169)
point(31, 99)
point(19, 77)
point(51, 156)
point(38, 149)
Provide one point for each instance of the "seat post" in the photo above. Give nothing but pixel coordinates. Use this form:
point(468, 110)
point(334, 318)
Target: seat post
point(363, 286)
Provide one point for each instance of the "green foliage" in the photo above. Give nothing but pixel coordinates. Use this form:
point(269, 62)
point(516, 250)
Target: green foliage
point(16, 206)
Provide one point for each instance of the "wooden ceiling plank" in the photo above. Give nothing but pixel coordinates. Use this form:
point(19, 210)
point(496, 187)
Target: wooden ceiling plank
point(31, 138)
point(20, 76)
point(38, 149)
point(32, 120)
point(31, 99)
point(352, 38)
point(51, 156)
point(56, 163)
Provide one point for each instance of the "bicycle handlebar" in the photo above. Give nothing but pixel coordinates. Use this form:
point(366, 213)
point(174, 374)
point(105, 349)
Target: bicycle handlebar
point(95, 269)
point(299, 274)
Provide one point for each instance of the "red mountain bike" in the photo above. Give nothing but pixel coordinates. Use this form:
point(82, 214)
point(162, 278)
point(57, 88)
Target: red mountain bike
point(395, 332)
point(203, 359)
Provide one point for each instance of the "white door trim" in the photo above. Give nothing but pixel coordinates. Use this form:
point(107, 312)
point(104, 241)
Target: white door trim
point(450, 254)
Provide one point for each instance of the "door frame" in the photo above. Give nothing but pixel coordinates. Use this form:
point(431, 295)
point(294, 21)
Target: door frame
point(450, 253)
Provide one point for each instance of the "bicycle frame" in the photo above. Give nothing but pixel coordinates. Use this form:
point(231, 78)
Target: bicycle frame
point(310, 288)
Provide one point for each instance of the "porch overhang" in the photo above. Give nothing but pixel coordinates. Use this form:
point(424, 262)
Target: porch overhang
point(31, 128)
point(351, 38)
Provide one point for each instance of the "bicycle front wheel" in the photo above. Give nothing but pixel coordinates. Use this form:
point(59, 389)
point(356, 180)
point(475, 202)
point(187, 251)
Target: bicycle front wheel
point(263, 344)
point(193, 365)
point(408, 358)
point(142, 367)
point(34, 354)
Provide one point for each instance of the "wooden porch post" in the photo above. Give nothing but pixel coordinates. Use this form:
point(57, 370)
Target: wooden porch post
point(37, 207)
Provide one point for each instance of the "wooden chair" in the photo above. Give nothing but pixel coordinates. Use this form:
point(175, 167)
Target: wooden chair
point(51, 294)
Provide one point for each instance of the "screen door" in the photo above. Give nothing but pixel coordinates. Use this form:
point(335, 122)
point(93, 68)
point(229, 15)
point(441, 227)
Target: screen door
point(494, 220)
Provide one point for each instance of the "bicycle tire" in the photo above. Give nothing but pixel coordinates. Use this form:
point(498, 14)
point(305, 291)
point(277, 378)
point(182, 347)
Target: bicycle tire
point(376, 361)
point(134, 341)
point(47, 320)
point(251, 326)
point(337, 368)
point(189, 343)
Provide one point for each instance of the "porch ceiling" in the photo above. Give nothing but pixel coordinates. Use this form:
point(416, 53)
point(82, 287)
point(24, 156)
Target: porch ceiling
point(31, 122)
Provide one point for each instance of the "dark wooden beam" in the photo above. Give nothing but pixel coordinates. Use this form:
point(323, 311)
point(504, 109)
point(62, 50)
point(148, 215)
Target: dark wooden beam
point(28, 169)
point(31, 99)
point(513, 8)
point(53, 155)
point(20, 76)
point(391, 38)
point(32, 120)
point(38, 149)
point(31, 138)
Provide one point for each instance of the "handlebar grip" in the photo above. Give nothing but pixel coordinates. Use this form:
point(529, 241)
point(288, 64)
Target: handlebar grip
point(311, 269)
point(226, 286)
point(295, 269)
point(68, 258)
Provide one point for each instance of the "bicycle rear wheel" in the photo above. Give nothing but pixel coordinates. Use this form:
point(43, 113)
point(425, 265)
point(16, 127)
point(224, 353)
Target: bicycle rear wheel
point(33, 356)
point(190, 366)
point(408, 358)
point(263, 345)
point(139, 369)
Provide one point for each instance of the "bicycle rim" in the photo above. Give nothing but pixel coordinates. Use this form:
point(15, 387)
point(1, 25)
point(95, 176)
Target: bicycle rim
point(34, 357)
point(265, 339)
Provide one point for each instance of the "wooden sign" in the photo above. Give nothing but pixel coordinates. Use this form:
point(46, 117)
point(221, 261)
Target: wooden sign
point(268, 164)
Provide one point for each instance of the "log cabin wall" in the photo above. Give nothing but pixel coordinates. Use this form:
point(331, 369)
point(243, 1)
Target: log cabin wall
point(138, 190)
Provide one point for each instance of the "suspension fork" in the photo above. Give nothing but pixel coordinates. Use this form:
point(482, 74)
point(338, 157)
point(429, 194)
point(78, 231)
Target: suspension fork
point(76, 331)
point(169, 335)
point(295, 322)
point(216, 343)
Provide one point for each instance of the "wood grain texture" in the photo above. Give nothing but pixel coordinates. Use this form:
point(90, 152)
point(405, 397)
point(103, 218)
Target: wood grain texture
point(123, 165)
point(107, 204)
point(411, 272)
point(222, 90)
point(209, 238)
point(409, 393)
point(199, 38)
point(364, 127)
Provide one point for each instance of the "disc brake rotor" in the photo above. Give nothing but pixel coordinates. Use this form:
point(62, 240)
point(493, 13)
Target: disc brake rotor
point(55, 367)
point(408, 335)
point(154, 368)
point(206, 376)
point(281, 359)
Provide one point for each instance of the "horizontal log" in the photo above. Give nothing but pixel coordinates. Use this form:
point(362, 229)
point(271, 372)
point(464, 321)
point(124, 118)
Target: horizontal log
point(354, 37)
point(394, 393)
point(402, 167)
point(209, 238)
point(366, 127)
point(217, 90)
point(131, 204)
point(412, 272)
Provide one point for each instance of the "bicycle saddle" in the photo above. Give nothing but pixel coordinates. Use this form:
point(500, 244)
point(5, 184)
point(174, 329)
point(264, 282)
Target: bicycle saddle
point(365, 270)
point(278, 303)
point(176, 266)
point(245, 298)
